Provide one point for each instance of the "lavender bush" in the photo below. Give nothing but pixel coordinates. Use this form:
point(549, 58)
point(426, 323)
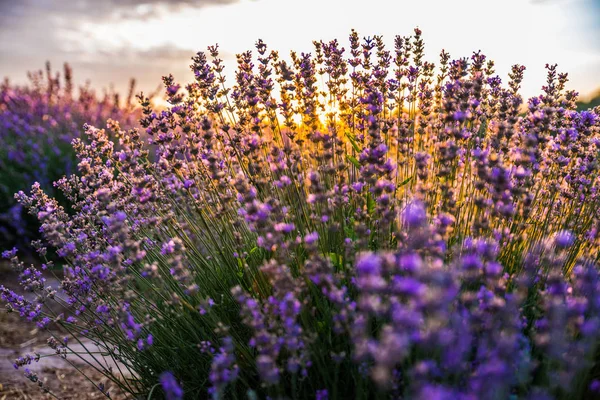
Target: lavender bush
point(38, 121)
point(347, 224)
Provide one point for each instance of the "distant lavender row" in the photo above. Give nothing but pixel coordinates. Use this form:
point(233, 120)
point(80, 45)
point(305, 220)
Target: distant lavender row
point(348, 224)
point(38, 121)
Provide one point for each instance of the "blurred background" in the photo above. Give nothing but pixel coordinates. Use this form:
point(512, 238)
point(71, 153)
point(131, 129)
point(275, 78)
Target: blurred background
point(110, 41)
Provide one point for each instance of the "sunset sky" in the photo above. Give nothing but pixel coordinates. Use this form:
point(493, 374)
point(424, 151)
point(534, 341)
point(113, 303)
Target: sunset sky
point(109, 41)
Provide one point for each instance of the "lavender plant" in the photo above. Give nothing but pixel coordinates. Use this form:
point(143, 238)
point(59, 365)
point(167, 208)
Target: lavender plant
point(38, 121)
point(347, 224)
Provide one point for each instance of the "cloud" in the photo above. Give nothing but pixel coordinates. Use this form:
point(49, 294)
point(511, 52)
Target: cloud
point(48, 18)
point(9, 9)
point(28, 26)
point(112, 40)
point(34, 31)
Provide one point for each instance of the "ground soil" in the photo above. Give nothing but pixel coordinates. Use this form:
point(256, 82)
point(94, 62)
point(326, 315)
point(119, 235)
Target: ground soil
point(18, 337)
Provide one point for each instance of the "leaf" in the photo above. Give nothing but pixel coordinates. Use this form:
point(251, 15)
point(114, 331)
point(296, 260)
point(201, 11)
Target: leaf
point(188, 305)
point(370, 203)
point(349, 231)
point(352, 141)
point(353, 160)
point(482, 128)
point(320, 326)
point(254, 250)
point(336, 259)
point(404, 182)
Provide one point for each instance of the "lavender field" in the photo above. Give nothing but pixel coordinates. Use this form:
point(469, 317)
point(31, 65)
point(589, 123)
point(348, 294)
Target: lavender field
point(355, 222)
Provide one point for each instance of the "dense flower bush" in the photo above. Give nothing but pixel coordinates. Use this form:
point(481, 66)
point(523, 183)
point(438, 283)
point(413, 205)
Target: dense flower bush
point(38, 121)
point(347, 224)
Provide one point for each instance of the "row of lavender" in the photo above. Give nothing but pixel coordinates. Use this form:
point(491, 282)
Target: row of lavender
point(38, 121)
point(347, 224)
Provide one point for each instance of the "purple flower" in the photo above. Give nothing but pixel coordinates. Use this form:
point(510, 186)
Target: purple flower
point(170, 386)
point(284, 227)
point(414, 215)
point(311, 238)
point(368, 264)
point(357, 186)
point(471, 262)
point(564, 239)
point(267, 369)
point(223, 367)
point(8, 254)
point(410, 262)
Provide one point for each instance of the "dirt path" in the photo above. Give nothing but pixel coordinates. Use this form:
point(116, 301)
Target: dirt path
point(16, 339)
point(19, 337)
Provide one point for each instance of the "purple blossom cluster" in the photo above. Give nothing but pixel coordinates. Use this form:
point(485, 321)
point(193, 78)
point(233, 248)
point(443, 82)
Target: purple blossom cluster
point(38, 121)
point(333, 225)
